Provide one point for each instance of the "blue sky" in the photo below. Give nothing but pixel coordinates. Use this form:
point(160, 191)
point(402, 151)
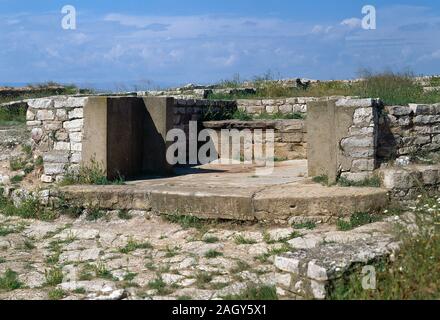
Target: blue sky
point(171, 42)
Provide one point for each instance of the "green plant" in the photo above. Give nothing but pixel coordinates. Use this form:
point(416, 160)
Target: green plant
point(210, 254)
point(101, 271)
point(92, 174)
point(262, 293)
point(171, 251)
point(241, 115)
point(373, 181)
point(159, 285)
point(16, 164)
point(210, 239)
point(185, 221)
point(12, 116)
point(29, 208)
point(94, 213)
point(242, 240)
point(322, 179)
point(202, 279)
point(358, 219)
point(53, 276)
point(305, 225)
point(133, 245)
point(9, 281)
point(56, 294)
point(17, 179)
point(124, 215)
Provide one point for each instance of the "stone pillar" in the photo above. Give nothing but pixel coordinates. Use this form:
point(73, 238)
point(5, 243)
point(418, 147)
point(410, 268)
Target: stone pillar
point(342, 138)
point(127, 135)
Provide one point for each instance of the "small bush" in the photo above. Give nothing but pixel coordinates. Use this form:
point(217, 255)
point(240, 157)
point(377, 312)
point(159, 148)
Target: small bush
point(53, 276)
point(242, 240)
point(92, 174)
point(9, 281)
point(262, 293)
point(30, 208)
point(211, 254)
point(358, 219)
point(305, 225)
point(185, 221)
point(16, 164)
point(56, 294)
point(368, 182)
point(133, 245)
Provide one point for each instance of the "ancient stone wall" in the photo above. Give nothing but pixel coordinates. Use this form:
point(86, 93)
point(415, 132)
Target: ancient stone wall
point(273, 106)
point(56, 126)
point(290, 135)
point(342, 138)
point(408, 132)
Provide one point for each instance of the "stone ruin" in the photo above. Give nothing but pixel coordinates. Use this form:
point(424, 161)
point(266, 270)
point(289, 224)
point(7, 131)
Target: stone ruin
point(340, 138)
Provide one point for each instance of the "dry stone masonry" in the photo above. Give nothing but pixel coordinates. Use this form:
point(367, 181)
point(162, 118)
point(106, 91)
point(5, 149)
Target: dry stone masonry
point(56, 126)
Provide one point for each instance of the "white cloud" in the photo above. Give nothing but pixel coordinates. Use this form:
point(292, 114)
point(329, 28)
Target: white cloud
point(352, 23)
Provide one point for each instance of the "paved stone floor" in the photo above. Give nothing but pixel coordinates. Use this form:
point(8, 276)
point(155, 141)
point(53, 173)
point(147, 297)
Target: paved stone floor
point(138, 255)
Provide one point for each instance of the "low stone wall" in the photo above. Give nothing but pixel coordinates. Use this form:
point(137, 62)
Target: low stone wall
point(273, 106)
point(409, 182)
point(408, 131)
point(56, 126)
point(290, 135)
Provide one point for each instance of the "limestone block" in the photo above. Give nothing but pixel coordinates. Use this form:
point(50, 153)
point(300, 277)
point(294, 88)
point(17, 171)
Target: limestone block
point(34, 123)
point(56, 157)
point(61, 135)
point(54, 168)
point(399, 110)
point(75, 136)
point(255, 109)
point(52, 125)
point(61, 114)
point(316, 272)
point(45, 115)
point(287, 264)
point(286, 108)
point(45, 103)
point(76, 157)
point(400, 179)
point(425, 119)
point(74, 125)
point(302, 108)
point(46, 179)
point(272, 109)
point(62, 146)
point(361, 141)
point(363, 116)
point(30, 115)
point(430, 176)
point(76, 146)
point(349, 102)
point(356, 176)
point(363, 165)
point(37, 134)
point(71, 102)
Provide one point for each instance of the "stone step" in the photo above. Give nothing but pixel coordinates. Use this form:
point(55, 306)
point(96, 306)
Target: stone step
point(293, 202)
